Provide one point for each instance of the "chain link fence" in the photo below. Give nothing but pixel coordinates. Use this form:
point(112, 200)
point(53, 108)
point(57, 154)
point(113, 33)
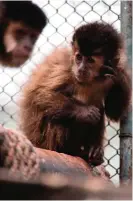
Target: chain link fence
point(64, 17)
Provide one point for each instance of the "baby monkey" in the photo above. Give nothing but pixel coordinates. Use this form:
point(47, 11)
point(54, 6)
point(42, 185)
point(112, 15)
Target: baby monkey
point(66, 98)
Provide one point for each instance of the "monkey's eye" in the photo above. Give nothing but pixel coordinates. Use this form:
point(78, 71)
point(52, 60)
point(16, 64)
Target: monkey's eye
point(79, 57)
point(33, 36)
point(90, 59)
point(20, 33)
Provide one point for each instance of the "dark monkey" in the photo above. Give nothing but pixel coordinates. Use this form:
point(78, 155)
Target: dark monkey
point(66, 98)
point(21, 22)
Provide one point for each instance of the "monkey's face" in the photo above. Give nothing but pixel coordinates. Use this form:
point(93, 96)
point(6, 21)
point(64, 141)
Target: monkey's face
point(18, 42)
point(86, 68)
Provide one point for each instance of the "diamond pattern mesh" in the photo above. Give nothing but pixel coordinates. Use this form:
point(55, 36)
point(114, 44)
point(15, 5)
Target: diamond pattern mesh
point(64, 17)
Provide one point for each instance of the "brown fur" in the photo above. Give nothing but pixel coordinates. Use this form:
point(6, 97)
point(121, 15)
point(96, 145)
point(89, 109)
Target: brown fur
point(37, 94)
point(58, 113)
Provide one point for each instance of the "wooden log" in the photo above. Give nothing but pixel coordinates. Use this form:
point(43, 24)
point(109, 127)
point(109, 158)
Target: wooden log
point(18, 154)
point(49, 186)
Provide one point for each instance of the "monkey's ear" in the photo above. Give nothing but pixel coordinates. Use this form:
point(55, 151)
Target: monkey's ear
point(72, 43)
point(74, 46)
point(120, 58)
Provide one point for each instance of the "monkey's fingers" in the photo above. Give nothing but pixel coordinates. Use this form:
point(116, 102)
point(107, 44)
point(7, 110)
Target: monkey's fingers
point(94, 114)
point(90, 152)
point(98, 152)
point(94, 118)
point(96, 155)
point(94, 110)
point(95, 152)
point(108, 76)
point(106, 70)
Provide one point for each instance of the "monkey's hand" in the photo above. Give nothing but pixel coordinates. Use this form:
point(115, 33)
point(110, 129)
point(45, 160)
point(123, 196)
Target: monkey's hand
point(89, 114)
point(105, 81)
point(96, 156)
point(107, 71)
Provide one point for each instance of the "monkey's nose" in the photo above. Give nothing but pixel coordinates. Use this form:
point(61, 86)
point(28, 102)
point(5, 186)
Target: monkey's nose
point(27, 48)
point(81, 71)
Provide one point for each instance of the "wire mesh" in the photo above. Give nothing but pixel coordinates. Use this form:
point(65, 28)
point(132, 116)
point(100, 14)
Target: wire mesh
point(63, 18)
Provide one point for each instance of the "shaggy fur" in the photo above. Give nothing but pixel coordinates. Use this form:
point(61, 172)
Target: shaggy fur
point(97, 35)
point(60, 114)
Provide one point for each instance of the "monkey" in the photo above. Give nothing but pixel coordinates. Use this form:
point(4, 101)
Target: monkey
point(21, 23)
point(65, 101)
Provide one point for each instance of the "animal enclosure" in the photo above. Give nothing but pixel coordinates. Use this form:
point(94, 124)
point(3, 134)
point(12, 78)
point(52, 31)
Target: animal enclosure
point(63, 17)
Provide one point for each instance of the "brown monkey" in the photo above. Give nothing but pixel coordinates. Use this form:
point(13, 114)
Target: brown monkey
point(67, 97)
point(21, 22)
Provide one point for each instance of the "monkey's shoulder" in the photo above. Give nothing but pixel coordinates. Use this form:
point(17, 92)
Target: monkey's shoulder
point(56, 64)
point(60, 57)
point(54, 73)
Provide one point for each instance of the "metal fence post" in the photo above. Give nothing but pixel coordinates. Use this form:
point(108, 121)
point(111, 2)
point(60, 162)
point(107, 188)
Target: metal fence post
point(126, 124)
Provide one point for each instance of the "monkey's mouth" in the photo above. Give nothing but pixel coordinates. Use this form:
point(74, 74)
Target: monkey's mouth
point(83, 76)
point(21, 54)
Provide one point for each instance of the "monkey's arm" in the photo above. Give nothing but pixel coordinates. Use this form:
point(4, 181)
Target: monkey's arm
point(118, 97)
point(58, 106)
